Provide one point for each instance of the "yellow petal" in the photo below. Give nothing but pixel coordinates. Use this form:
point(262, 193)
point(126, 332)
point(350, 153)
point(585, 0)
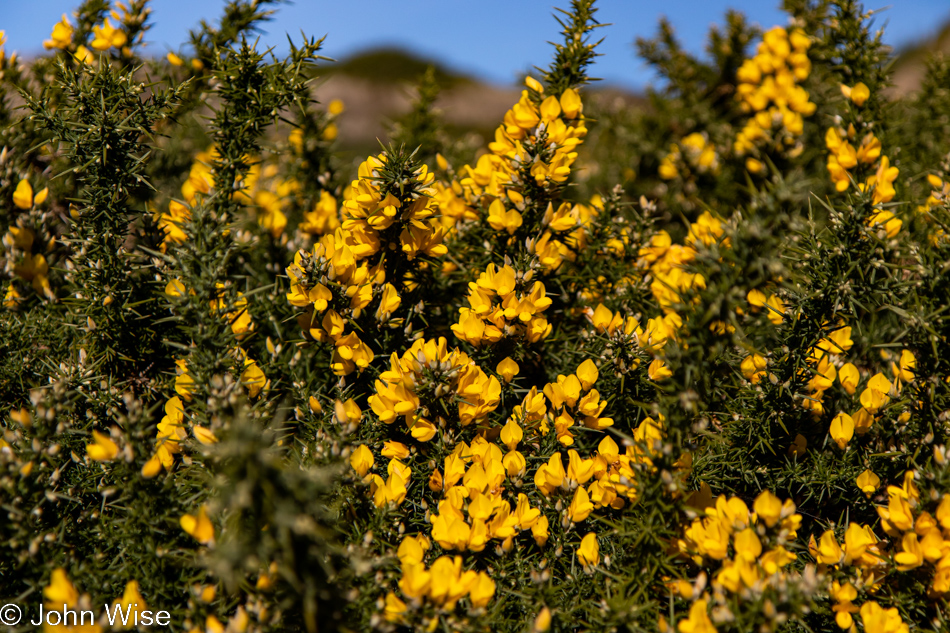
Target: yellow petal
point(23, 195)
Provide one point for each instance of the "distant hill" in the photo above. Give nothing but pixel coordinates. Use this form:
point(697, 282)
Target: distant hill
point(911, 61)
point(377, 86)
point(388, 65)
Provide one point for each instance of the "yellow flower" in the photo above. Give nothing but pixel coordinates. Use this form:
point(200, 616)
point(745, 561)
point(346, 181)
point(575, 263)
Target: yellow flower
point(395, 449)
point(394, 608)
point(876, 395)
point(62, 34)
point(184, 383)
point(768, 507)
point(747, 545)
point(351, 354)
point(389, 301)
point(842, 429)
point(883, 183)
point(857, 540)
point(753, 367)
point(174, 59)
point(503, 220)
point(199, 527)
point(858, 94)
point(911, 554)
point(349, 414)
point(482, 590)
point(580, 507)
point(362, 460)
point(204, 435)
point(107, 36)
point(539, 531)
point(60, 590)
point(658, 370)
point(253, 378)
point(906, 367)
point(868, 482)
point(507, 369)
point(589, 551)
point(542, 622)
point(587, 374)
point(570, 102)
point(876, 619)
point(776, 309)
point(827, 551)
point(848, 376)
point(843, 595)
point(756, 298)
point(23, 195)
point(698, 621)
point(103, 449)
point(131, 602)
point(84, 55)
point(511, 434)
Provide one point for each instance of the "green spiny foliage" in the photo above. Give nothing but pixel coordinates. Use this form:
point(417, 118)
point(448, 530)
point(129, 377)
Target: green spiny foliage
point(681, 367)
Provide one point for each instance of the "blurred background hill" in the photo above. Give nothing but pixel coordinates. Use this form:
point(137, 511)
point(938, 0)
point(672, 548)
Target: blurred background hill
point(912, 60)
point(378, 85)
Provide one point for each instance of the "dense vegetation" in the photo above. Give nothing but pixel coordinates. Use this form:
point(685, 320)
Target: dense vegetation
point(683, 368)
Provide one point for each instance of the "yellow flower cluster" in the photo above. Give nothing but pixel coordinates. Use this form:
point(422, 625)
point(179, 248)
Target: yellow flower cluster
point(333, 265)
point(729, 522)
point(843, 159)
point(239, 319)
point(624, 336)
point(391, 490)
point(472, 484)
point(939, 197)
point(108, 36)
point(876, 394)
point(323, 218)
point(61, 594)
point(429, 382)
point(260, 189)
point(939, 194)
point(171, 432)
point(667, 262)
point(472, 479)
point(105, 37)
point(200, 181)
point(443, 584)
point(62, 35)
point(694, 154)
point(565, 233)
point(667, 266)
point(337, 279)
point(504, 303)
point(376, 221)
point(772, 304)
point(822, 368)
point(534, 148)
point(918, 538)
point(769, 89)
point(19, 243)
point(572, 399)
point(268, 196)
point(750, 548)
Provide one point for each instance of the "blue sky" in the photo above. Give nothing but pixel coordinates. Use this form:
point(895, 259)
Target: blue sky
point(494, 40)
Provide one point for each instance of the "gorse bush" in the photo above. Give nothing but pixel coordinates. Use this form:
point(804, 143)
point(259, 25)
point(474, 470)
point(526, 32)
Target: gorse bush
point(679, 368)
